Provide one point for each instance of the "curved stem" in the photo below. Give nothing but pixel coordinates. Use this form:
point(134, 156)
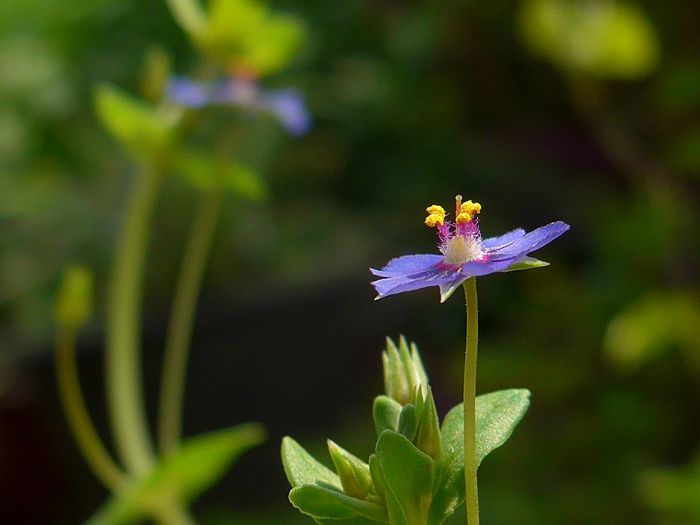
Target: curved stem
point(470, 466)
point(188, 14)
point(182, 318)
point(124, 384)
point(79, 421)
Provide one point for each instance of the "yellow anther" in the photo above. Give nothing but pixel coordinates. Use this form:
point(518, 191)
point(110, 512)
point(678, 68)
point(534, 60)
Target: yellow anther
point(463, 218)
point(467, 211)
point(471, 207)
point(433, 220)
point(436, 215)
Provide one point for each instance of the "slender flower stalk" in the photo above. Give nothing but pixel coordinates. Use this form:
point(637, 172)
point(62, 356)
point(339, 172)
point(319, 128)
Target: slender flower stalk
point(124, 381)
point(81, 425)
point(472, 345)
point(181, 320)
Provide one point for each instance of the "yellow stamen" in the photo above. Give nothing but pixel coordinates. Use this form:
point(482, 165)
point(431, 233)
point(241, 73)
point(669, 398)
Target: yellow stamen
point(436, 215)
point(467, 211)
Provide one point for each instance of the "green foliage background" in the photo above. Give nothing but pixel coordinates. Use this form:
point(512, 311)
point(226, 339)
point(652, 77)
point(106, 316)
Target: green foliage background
point(412, 101)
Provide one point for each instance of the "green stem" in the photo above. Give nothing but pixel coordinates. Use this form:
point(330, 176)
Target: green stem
point(172, 513)
point(124, 382)
point(78, 417)
point(188, 14)
point(181, 320)
point(470, 466)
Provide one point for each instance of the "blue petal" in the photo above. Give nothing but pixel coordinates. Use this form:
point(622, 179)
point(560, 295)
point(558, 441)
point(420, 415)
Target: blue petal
point(408, 265)
point(285, 104)
point(394, 285)
point(188, 93)
point(493, 243)
point(529, 242)
point(478, 269)
point(288, 105)
point(473, 269)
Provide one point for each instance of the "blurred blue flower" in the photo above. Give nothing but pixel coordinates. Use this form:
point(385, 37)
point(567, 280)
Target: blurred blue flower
point(464, 253)
point(286, 104)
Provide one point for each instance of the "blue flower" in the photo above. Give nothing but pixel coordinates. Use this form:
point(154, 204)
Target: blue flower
point(286, 104)
point(464, 253)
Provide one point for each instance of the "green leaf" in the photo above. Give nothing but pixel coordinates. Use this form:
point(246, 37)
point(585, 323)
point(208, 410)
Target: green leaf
point(377, 476)
point(428, 438)
point(659, 321)
point(246, 33)
point(408, 421)
point(182, 476)
point(302, 468)
point(324, 503)
point(497, 415)
point(673, 492)
point(275, 45)
point(206, 172)
point(386, 413)
point(604, 38)
point(138, 127)
point(408, 478)
point(528, 263)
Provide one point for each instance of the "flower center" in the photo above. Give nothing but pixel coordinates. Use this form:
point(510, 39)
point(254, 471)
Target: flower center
point(460, 241)
point(462, 249)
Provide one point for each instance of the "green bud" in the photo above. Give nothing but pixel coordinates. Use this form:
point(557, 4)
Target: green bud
point(418, 365)
point(157, 69)
point(403, 370)
point(417, 399)
point(395, 383)
point(74, 302)
point(409, 367)
point(428, 435)
point(354, 474)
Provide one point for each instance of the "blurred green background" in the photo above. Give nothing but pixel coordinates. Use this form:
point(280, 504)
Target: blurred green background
point(588, 112)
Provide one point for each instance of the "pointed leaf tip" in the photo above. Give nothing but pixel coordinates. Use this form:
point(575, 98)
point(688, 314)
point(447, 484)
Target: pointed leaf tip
point(302, 468)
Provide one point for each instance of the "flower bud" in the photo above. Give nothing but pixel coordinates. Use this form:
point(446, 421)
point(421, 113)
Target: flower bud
point(74, 301)
point(403, 370)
